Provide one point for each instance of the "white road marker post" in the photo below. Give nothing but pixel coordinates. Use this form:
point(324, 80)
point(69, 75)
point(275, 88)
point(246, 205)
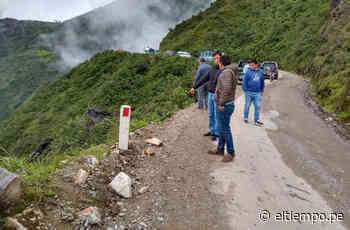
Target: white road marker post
point(125, 114)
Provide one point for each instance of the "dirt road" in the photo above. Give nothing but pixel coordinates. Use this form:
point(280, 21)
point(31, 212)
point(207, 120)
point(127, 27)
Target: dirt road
point(263, 183)
point(294, 166)
point(291, 174)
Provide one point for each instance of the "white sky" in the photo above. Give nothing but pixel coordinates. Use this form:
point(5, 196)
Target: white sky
point(48, 10)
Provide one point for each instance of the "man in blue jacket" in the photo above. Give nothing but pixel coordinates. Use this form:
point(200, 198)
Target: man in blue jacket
point(253, 86)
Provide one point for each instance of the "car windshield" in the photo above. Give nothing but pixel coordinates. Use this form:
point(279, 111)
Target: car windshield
point(269, 66)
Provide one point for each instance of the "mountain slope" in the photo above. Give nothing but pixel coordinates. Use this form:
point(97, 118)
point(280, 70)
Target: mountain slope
point(33, 54)
point(303, 36)
point(59, 114)
point(25, 65)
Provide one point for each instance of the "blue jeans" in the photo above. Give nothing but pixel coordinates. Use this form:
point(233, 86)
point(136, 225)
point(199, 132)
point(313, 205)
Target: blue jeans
point(256, 99)
point(212, 114)
point(225, 134)
point(202, 97)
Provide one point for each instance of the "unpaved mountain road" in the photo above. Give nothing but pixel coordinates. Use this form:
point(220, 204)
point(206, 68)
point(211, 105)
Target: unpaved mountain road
point(295, 163)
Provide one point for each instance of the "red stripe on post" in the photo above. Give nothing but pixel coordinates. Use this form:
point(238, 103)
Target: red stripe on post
point(126, 112)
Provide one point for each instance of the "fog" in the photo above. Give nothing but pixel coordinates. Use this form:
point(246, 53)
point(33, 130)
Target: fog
point(124, 24)
point(121, 24)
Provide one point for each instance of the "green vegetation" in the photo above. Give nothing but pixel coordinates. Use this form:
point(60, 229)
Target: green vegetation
point(155, 86)
point(298, 34)
point(24, 64)
point(36, 176)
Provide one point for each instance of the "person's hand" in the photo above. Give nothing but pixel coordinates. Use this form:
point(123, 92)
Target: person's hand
point(221, 108)
point(192, 91)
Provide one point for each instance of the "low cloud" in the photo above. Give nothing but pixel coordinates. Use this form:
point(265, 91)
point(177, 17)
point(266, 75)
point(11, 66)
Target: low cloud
point(127, 24)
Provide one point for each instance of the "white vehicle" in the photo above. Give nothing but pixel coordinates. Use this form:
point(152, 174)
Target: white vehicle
point(183, 54)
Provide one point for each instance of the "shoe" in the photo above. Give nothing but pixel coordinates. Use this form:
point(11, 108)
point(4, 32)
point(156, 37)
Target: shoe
point(259, 123)
point(228, 158)
point(207, 134)
point(246, 120)
point(215, 152)
point(213, 138)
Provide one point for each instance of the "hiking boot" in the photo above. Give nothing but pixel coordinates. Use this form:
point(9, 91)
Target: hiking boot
point(246, 120)
point(227, 158)
point(215, 152)
point(207, 134)
point(259, 123)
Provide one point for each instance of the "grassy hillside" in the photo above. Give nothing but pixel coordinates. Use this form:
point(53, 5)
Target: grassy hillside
point(24, 64)
point(303, 36)
point(28, 62)
point(155, 86)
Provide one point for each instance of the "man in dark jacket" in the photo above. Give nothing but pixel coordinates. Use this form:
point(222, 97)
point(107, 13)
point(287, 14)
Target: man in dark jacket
point(224, 99)
point(253, 87)
point(210, 79)
point(203, 69)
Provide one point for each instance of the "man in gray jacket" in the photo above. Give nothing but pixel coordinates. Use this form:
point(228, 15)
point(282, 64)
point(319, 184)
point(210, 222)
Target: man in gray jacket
point(224, 98)
point(203, 69)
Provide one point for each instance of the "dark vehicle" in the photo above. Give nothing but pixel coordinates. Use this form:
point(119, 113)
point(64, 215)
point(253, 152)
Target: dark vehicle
point(270, 69)
point(241, 65)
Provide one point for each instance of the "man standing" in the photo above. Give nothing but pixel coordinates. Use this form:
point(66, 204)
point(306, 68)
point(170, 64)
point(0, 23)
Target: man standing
point(203, 69)
point(224, 98)
point(253, 86)
point(211, 79)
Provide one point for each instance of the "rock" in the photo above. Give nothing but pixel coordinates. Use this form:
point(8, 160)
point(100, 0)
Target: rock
point(90, 215)
point(120, 227)
point(81, 177)
point(10, 187)
point(64, 162)
point(154, 141)
point(141, 226)
point(121, 184)
point(143, 190)
point(92, 161)
point(13, 223)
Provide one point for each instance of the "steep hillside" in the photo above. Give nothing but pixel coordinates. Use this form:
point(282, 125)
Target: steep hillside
point(155, 86)
point(33, 54)
point(303, 36)
point(24, 64)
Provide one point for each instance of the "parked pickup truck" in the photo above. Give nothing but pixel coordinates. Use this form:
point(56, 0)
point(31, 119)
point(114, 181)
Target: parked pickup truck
point(270, 69)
